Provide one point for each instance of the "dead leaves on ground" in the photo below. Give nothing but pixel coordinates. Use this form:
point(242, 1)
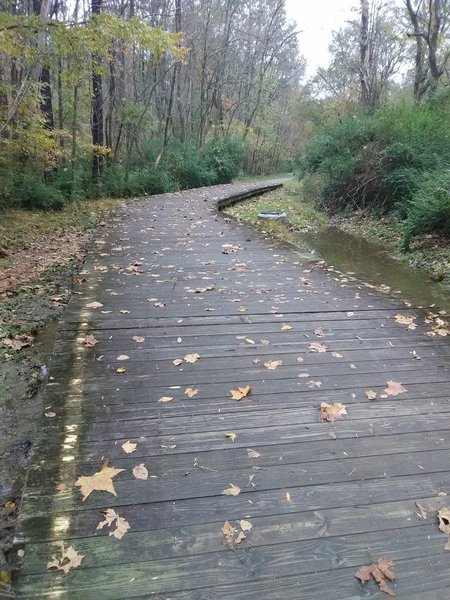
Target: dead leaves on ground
point(240, 392)
point(394, 388)
point(192, 358)
point(273, 364)
point(90, 341)
point(17, 342)
point(331, 412)
point(235, 535)
point(129, 447)
point(444, 524)
point(381, 572)
point(69, 559)
point(233, 490)
point(404, 320)
point(102, 481)
point(140, 471)
point(118, 525)
point(190, 392)
point(318, 347)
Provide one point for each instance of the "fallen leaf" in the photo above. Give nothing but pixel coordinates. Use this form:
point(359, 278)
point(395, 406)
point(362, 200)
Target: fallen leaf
point(245, 525)
point(18, 342)
point(287, 496)
point(129, 447)
point(318, 347)
point(192, 358)
point(125, 312)
point(165, 399)
point(69, 559)
point(139, 339)
point(50, 414)
point(140, 471)
point(232, 436)
point(159, 304)
point(273, 364)
point(249, 341)
point(332, 435)
point(228, 532)
point(331, 412)
point(371, 395)
point(380, 571)
point(121, 370)
point(422, 514)
point(252, 453)
point(233, 490)
point(123, 357)
point(336, 355)
point(190, 392)
point(112, 519)
point(240, 392)
point(98, 482)
point(286, 327)
point(177, 362)
point(444, 520)
point(94, 305)
point(90, 341)
point(313, 384)
point(240, 537)
point(62, 487)
point(404, 320)
point(394, 388)
point(319, 332)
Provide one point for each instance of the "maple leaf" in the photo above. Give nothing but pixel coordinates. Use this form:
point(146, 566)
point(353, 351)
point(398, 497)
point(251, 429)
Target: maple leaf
point(318, 347)
point(231, 436)
point(123, 357)
point(113, 519)
point(380, 571)
point(94, 305)
point(394, 388)
point(331, 412)
point(240, 392)
point(233, 490)
point(371, 395)
point(139, 339)
point(252, 453)
point(90, 341)
point(192, 358)
point(273, 364)
point(140, 471)
point(165, 399)
point(102, 481)
point(69, 559)
point(190, 392)
point(129, 447)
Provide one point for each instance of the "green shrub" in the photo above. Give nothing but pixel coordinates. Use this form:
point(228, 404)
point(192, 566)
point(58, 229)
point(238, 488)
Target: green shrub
point(429, 208)
point(225, 156)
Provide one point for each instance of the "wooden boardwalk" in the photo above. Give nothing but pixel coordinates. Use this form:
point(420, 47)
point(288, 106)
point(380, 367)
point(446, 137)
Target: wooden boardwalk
point(175, 279)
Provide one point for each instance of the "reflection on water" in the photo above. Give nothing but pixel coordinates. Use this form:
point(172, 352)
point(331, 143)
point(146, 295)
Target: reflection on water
point(371, 262)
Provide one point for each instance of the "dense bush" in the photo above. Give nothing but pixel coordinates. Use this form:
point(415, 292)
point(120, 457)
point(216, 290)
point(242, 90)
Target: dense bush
point(383, 163)
point(183, 166)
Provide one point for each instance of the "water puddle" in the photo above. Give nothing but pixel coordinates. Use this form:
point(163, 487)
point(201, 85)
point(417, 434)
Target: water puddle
point(370, 262)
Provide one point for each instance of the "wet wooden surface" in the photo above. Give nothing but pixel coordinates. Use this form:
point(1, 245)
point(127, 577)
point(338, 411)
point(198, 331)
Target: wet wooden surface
point(184, 279)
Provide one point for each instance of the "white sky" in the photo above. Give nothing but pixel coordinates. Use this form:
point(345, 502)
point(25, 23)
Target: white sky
point(316, 20)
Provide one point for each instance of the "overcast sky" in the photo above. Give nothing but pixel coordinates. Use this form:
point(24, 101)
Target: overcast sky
point(316, 20)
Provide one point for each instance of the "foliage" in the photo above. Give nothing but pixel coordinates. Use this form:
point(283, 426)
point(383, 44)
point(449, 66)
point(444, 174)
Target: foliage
point(385, 162)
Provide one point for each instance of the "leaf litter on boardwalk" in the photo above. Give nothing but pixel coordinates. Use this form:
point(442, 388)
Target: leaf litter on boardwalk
point(101, 481)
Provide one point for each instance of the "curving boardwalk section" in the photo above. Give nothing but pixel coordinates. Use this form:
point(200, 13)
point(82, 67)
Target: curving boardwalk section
point(172, 278)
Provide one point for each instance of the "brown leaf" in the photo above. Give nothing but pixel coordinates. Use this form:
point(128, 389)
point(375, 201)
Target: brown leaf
point(121, 370)
point(177, 362)
point(318, 347)
point(404, 320)
point(139, 339)
point(273, 364)
point(18, 342)
point(245, 525)
point(190, 392)
point(90, 341)
point(228, 532)
point(112, 519)
point(319, 332)
point(286, 327)
point(444, 520)
point(98, 482)
point(380, 571)
point(422, 514)
point(129, 447)
point(69, 559)
point(331, 412)
point(233, 490)
point(192, 358)
point(240, 392)
point(394, 388)
point(252, 453)
point(140, 471)
point(165, 399)
point(371, 395)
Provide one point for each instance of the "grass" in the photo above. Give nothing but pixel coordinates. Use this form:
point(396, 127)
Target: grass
point(301, 214)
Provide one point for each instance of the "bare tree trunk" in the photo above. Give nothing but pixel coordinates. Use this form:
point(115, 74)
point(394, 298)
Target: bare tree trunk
point(97, 107)
point(364, 56)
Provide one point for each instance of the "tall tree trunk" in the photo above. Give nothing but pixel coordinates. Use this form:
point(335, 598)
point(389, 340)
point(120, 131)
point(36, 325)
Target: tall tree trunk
point(364, 56)
point(97, 107)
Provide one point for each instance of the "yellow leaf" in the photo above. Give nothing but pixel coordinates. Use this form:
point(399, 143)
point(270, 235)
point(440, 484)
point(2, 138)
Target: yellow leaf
point(240, 392)
point(177, 362)
point(232, 436)
point(273, 364)
point(370, 394)
point(286, 327)
point(245, 525)
point(287, 495)
point(121, 370)
point(233, 490)
point(129, 447)
point(190, 392)
point(192, 358)
point(98, 482)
